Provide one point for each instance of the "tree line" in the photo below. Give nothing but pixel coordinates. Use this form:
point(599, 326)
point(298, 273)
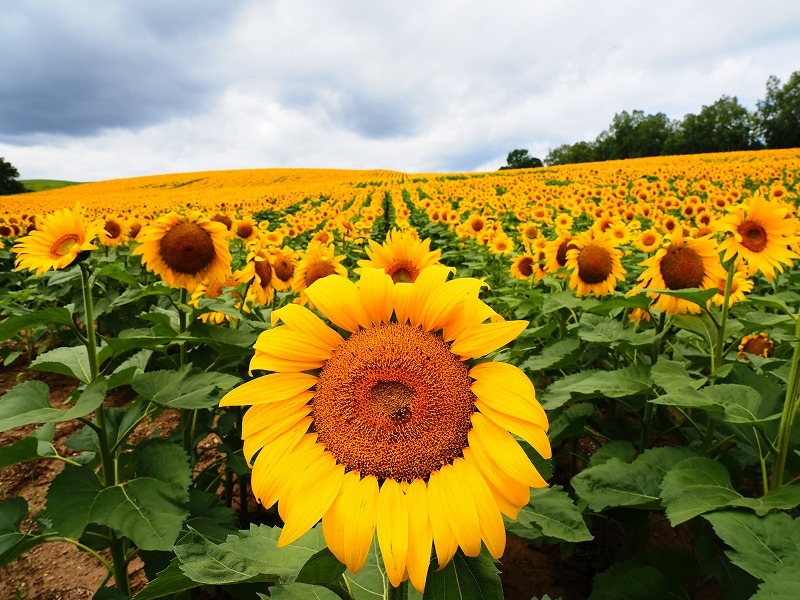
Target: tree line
point(723, 126)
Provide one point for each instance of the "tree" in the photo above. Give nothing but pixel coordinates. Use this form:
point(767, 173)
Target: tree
point(779, 113)
point(520, 159)
point(8, 179)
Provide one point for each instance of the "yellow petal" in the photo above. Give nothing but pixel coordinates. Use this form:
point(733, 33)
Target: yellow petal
point(338, 298)
point(264, 416)
point(299, 318)
point(401, 293)
point(497, 442)
point(392, 526)
point(427, 284)
point(269, 388)
point(506, 388)
point(443, 538)
point(492, 529)
point(292, 345)
point(375, 289)
point(420, 536)
point(509, 493)
point(473, 312)
point(530, 432)
point(461, 512)
point(255, 442)
point(263, 361)
point(360, 510)
point(281, 473)
point(334, 523)
point(480, 340)
point(268, 458)
point(314, 491)
point(440, 308)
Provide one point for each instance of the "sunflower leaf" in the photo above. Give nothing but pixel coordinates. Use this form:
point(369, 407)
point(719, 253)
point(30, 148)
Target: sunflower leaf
point(627, 381)
point(72, 361)
point(29, 402)
point(169, 581)
point(69, 500)
point(550, 514)
point(184, 388)
point(59, 315)
point(783, 583)
point(465, 578)
point(14, 543)
point(696, 486)
point(299, 591)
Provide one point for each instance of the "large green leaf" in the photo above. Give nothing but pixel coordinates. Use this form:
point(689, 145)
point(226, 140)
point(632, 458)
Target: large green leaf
point(672, 376)
point(143, 509)
point(554, 356)
point(611, 332)
point(550, 514)
point(29, 402)
point(167, 582)
point(631, 582)
point(783, 583)
point(695, 486)
point(59, 315)
point(72, 361)
point(465, 578)
point(299, 591)
point(70, 498)
point(250, 555)
point(627, 381)
point(14, 543)
point(22, 451)
point(209, 516)
point(167, 462)
point(570, 422)
point(617, 483)
point(758, 544)
point(184, 388)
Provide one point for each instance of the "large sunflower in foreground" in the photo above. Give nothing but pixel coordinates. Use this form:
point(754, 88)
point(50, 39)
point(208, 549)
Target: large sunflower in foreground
point(402, 256)
point(380, 425)
point(681, 264)
point(595, 264)
point(185, 250)
point(761, 235)
point(56, 242)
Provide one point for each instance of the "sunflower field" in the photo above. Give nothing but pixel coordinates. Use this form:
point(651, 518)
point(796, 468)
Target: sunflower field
point(569, 382)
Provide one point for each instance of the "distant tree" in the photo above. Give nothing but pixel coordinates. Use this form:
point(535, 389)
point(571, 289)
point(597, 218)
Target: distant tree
point(778, 114)
point(724, 126)
point(8, 179)
point(567, 154)
point(520, 159)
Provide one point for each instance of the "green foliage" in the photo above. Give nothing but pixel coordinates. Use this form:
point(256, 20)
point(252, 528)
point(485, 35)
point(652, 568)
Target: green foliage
point(9, 183)
point(521, 159)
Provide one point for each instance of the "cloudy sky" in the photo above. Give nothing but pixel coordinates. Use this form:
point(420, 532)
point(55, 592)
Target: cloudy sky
point(93, 89)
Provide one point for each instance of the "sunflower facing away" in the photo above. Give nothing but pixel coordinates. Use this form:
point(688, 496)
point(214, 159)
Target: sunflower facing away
point(380, 425)
point(761, 234)
point(402, 256)
point(56, 241)
point(185, 250)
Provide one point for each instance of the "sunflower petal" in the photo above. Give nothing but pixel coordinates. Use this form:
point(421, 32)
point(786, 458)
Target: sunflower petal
point(530, 432)
point(269, 388)
point(480, 340)
point(461, 512)
point(509, 493)
point(392, 526)
point(505, 388)
point(496, 441)
point(420, 536)
point(334, 523)
point(269, 457)
point(360, 512)
point(338, 298)
point(375, 289)
point(299, 318)
point(492, 529)
point(443, 538)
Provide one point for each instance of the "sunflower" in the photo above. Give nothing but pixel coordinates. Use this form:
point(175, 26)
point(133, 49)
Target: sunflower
point(317, 262)
point(501, 243)
point(759, 344)
point(388, 430)
point(683, 263)
point(402, 256)
point(741, 284)
point(648, 240)
point(556, 253)
point(114, 231)
point(761, 235)
point(185, 250)
point(595, 264)
point(259, 272)
point(523, 267)
point(245, 229)
point(213, 289)
point(57, 241)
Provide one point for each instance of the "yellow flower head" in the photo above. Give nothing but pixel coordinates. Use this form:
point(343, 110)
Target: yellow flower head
point(402, 256)
point(381, 415)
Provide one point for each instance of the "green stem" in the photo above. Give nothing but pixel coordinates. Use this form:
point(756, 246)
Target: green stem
point(104, 562)
point(790, 405)
point(398, 593)
point(718, 347)
point(182, 327)
point(648, 416)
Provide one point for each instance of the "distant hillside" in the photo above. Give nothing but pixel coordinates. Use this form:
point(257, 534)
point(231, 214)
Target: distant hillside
point(42, 185)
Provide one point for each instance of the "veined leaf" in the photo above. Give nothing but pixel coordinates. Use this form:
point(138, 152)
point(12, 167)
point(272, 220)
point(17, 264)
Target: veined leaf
point(627, 381)
point(465, 578)
point(59, 315)
point(70, 498)
point(696, 486)
point(783, 583)
point(29, 402)
point(184, 388)
point(550, 514)
point(554, 356)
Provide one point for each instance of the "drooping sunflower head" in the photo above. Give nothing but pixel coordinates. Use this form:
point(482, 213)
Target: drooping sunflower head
point(185, 250)
point(57, 240)
point(682, 263)
point(758, 344)
point(595, 264)
point(761, 233)
point(403, 256)
point(381, 412)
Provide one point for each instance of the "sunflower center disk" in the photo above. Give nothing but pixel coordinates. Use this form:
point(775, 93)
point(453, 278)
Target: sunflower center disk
point(526, 266)
point(754, 236)
point(112, 229)
point(187, 248)
point(594, 264)
point(403, 273)
point(393, 401)
point(283, 269)
point(63, 245)
point(682, 268)
point(319, 270)
point(264, 272)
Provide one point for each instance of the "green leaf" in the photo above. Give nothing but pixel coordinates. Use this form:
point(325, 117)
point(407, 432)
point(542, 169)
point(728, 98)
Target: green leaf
point(159, 459)
point(128, 369)
point(22, 451)
point(570, 422)
point(72, 361)
point(300, 591)
point(554, 356)
point(144, 509)
point(169, 581)
point(321, 569)
point(465, 578)
point(184, 388)
point(621, 449)
point(209, 516)
point(694, 295)
point(783, 583)
point(550, 514)
point(611, 332)
point(248, 556)
point(370, 583)
point(672, 376)
point(59, 315)
point(758, 544)
point(782, 498)
point(615, 302)
point(29, 402)
point(14, 543)
point(632, 582)
point(627, 381)
point(616, 483)
point(70, 498)
point(695, 486)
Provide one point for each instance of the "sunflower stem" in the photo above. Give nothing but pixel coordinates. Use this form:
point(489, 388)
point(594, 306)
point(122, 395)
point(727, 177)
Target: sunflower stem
point(182, 327)
point(398, 593)
point(720, 345)
point(790, 406)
